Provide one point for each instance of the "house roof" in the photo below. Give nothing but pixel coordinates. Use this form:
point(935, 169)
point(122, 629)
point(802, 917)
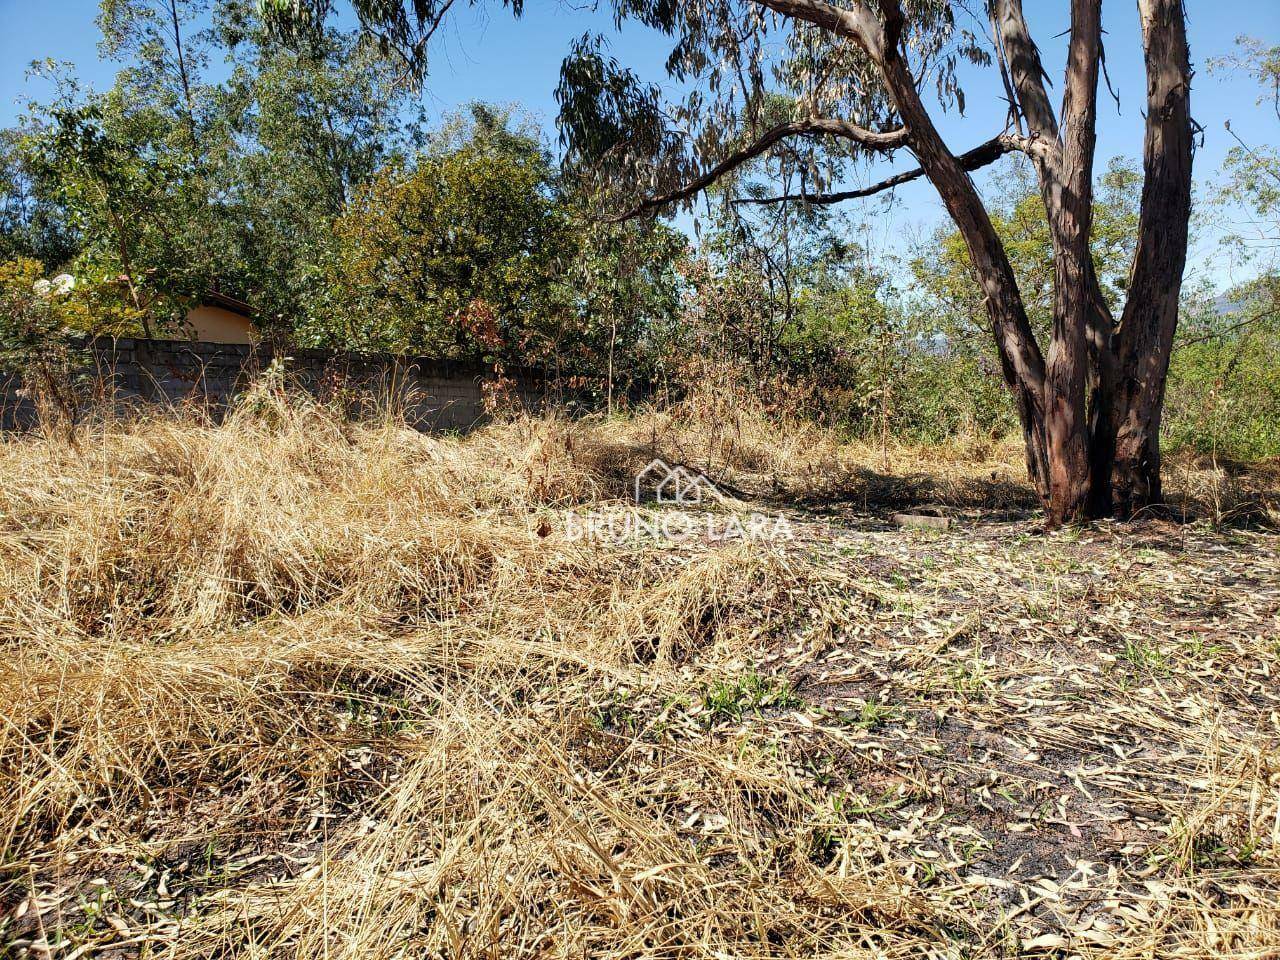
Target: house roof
point(215, 299)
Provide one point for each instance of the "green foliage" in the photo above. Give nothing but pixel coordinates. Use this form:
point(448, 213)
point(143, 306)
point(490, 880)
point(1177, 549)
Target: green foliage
point(38, 319)
point(442, 256)
point(305, 183)
point(1224, 379)
point(474, 250)
point(162, 55)
point(32, 222)
point(733, 698)
point(788, 295)
point(168, 186)
point(36, 308)
point(123, 173)
point(944, 273)
point(1259, 61)
point(314, 126)
point(871, 716)
point(953, 386)
point(622, 293)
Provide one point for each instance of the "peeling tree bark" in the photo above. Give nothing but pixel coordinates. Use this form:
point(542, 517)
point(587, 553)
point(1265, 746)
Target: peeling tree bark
point(1145, 339)
point(1071, 220)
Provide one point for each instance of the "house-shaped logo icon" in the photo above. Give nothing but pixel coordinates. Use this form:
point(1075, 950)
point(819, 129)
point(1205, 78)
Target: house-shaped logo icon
point(674, 484)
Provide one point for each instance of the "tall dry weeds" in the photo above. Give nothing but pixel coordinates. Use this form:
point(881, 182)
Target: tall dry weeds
point(293, 686)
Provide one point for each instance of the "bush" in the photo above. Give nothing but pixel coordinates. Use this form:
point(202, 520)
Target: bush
point(1223, 397)
point(37, 320)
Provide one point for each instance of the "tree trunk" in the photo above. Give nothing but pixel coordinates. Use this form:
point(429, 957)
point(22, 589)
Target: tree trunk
point(1035, 451)
point(1107, 461)
point(1021, 361)
point(1068, 182)
point(1127, 446)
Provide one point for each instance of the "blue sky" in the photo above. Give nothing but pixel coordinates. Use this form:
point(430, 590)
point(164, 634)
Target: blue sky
point(485, 55)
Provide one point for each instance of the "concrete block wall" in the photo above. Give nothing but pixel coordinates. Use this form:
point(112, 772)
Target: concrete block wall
point(434, 394)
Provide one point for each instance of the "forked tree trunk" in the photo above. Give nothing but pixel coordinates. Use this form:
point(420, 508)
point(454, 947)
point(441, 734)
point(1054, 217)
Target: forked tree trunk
point(1099, 422)
point(1091, 412)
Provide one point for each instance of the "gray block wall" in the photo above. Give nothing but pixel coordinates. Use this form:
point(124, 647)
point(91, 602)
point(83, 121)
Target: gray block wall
point(433, 394)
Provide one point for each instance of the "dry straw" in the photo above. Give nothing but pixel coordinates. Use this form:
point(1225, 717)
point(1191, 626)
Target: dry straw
point(292, 686)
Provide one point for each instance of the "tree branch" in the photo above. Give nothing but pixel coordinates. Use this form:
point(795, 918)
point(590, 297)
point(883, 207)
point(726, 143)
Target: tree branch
point(1150, 311)
point(870, 139)
point(1263, 166)
point(980, 156)
point(1080, 101)
point(1233, 328)
point(857, 23)
point(1026, 70)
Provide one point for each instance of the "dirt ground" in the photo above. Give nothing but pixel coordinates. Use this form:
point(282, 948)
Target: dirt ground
point(1071, 724)
point(1074, 736)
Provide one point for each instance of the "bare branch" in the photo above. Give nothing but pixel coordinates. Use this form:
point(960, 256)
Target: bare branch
point(1026, 70)
point(1034, 146)
point(1263, 166)
point(980, 156)
point(857, 23)
point(412, 57)
point(1233, 328)
point(870, 139)
point(997, 41)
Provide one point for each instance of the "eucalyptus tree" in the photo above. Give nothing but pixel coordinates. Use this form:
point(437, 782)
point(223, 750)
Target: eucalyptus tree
point(165, 51)
point(138, 162)
point(312, 125)
point(869, 77)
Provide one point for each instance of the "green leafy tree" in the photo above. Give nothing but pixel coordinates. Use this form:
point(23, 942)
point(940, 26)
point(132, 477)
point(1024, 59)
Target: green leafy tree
point(476, 248)
point(1225, 378)
point(164, 54)
point(456, 254)
point(134, 167)
point(618, 301)
point(146, 225)
point(758, 263)
point(167, 186)
point(314, 126)
point(33, 224)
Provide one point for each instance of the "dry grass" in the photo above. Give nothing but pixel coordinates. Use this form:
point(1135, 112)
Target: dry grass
point(293, 687)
